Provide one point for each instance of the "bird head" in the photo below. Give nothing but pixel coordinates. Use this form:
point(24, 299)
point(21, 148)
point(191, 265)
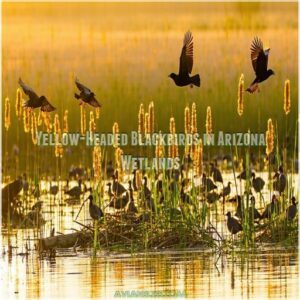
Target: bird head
point(271, 72)
point(43, 98)
point(253, 174)
point(129, 183)
point(228, 214)
point(229, 183)
point(108, 184)
point(90, 198)
point(274, 198)
point(294, 200)
point(172, 75)
point(252, 199)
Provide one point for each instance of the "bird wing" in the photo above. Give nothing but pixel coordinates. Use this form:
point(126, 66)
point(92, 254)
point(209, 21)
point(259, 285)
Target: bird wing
point(94, 102)
point(46, 106)
point(186, 57)
point(82, 88)
point(259, 57)
point(28, 90)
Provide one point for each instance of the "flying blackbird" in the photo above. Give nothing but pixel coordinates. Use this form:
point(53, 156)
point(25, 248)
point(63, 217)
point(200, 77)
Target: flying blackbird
point(259, 58)
point(186, 64)
point(34, 100)
point(86, 95)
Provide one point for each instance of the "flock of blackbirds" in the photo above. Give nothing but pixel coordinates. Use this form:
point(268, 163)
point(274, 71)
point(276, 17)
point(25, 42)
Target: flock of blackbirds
point(212, 189)
point(122, 198)
point(259, 59)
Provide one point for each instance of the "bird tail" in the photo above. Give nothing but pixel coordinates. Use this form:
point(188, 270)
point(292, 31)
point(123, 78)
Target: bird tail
point(77, 96)
point(196, 80)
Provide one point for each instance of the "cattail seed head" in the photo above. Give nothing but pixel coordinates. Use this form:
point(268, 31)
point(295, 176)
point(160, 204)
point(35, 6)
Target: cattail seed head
point(270, 137)
point(187, 120)
point(97, 162)
point(208, 123)
point(287, 97)
point(97, 113)
point(33, 128)
point(240, 102)
point(147, 123)
point(194, 119)
point(82, 119)
point(19, 103)
point(7, 114)
point(141, 118)
point(92, 123)
point(118, 160)
point(26, 119)
point(66, 124)
point(39, 119)
point(151, 117)
point(115, 130)
point(47, 121)
point(198, 160)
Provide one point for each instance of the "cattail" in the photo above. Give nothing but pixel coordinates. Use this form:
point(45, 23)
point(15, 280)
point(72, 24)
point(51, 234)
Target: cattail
point(7, 114)
point(287, 97)
point(19, 103)
point(240, 102)
point(193, 126)
point(198, 161)
point(141, 117)
point(138, 178)
point(118, 160)
point(187, 120)
point(270, 137)
point(92, 123)
point(208, 123)
point(173, 147)
point(66, 125)
point(115, 130)
point(159, 148)
point(82, 120)
point(33, 128)
point(59, 150)
point(97, 162)
point(39, 119)
point(26, 119)
point(97, 113)
point(151, 117)
point(147, 124)
point(47, 121)
point(57, 129)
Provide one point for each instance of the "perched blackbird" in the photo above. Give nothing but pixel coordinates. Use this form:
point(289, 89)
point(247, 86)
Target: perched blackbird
point(291, 211)
point(259, 58)
point(86, 95)
point(233, 224)
point(34, 100)
point(186, 64)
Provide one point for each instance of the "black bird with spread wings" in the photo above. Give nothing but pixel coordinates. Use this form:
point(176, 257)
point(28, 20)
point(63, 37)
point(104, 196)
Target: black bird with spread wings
point(86, 95)
point(186, 64)
point(259, 59)
point(34, 100)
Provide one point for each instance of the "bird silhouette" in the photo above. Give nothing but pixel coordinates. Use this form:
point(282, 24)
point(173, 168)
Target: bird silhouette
point(259, 59)
point(291, 211)
point(186, 64)
point(233, 224)
point(86, 95)
point(95, 211)
point(34, 100)
point(258, 183)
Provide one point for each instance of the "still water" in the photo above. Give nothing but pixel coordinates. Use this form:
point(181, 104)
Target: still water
point(195, 274)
